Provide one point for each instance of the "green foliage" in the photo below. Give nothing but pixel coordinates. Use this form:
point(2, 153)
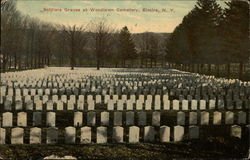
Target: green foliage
point(235, 31)
point(209, 35)
point(127, 46)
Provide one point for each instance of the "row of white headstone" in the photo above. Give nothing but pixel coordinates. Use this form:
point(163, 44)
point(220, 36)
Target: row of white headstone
point(35, 135)
point(181, 119)
point(104, 91)
point(124, 105)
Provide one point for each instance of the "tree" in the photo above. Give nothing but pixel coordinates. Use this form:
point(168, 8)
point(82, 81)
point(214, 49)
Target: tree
point(127, 46)
point(196, 39)
point(153, 50)
point(235, 32)
point(102, 35)
point(76, 40)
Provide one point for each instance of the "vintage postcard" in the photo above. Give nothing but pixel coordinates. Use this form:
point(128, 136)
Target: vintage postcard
point(124, 79)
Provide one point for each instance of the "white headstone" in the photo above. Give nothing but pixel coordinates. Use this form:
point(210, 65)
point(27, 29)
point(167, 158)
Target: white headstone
point(81, 98)
point(150, 98)
point(134, 134)
point(229, 118)
point(80, 105)
point(139, 105)
point(29, 105)
point(115, 98)
point(70, 105)
point(2, 135)
point(55, 98)
point(19, 105)
point(91, 118)
point(91, 105)
point(120, 105)
point(40, 91)
point(106, 98)
point(236, 131)
point(77, 119)
point(184, 104)
point(156, 118)
point(166, 104)
point(64, 98)
point(129, 105)
point(202, 104)
point(217, 118)
point(118, 134)
point(72, 98)
point(17, 135)
point(101, 135)
point(164, 134)
point(39, 105)
point(176, 104)
point(49, 105)
point(149, 134)
point(221, 104)
point(70, 135)
point(35, 135)
point(59, 105)
point(194, 104)
point(178, 133)
point(45, 98)
point(192, 118)
point(105, 118)
point(204, 118)
point(133, 98)
point(7, 119)
point(211, 104)
point(157, 104)
point(86, 135)
point(47, 91)
point(51, 119)
point(148, 105)
point(98, 99)
point(22, 119)
point(110, 105)
point(180, 118)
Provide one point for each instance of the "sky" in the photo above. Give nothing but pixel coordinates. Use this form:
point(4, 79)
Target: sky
point(141, 16)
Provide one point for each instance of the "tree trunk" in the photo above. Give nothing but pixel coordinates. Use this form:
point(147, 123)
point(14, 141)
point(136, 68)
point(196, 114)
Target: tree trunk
point(10, 63)
point(98, 62)
point(241, 71)
point(151, 62)
point(198, 68)
point(193, 67)
point(162, 63)
point(202, 67)
point(228, 70)
point(15, 61)
point(209, 69)
point(218, 69)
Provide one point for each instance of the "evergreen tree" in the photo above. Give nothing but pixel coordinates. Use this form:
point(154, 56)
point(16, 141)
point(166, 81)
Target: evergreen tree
point(235, 32)
point(127, 46)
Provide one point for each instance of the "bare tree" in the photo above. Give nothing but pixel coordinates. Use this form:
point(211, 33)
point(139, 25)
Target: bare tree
point(102, 35)
point(76, 39)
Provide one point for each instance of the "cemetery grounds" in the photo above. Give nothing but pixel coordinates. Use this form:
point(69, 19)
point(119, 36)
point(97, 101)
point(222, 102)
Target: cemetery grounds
point(122, 114)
